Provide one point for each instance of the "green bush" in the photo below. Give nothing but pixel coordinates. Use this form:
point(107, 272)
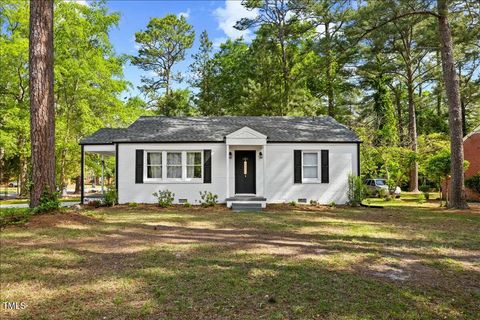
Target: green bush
point(110, 198)
point(208, 199)
point(382, 193)
point(426, 195)
point(94, 204)
point(421, 198)
point(11, 216)
point(313, 202)
point(187, 204)
point(48, 202)
point(292, 203)
point(133, 204)
point(356, 190)
point(332, 204)
point(424, 188)
point(473, 183)
point(164, 197)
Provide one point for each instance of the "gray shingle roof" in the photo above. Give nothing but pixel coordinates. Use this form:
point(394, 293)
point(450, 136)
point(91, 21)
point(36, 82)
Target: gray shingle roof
point(214, 129)
point(104, 136)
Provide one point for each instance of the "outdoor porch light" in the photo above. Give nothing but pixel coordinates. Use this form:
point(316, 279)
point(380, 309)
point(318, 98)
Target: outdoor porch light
point(260, 155)
point(230, 155)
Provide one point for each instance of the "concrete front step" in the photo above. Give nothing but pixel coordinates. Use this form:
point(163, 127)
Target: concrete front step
point(242, 206)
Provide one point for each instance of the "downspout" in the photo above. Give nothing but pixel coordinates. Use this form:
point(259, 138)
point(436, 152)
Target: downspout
point(116, 169)
point(358, 159)
point(82, 174)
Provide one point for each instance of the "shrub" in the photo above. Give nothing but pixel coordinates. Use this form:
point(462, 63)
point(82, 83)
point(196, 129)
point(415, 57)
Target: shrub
point(387, 197)
point(421, 198)
point(48, 202)
point(208, 199)
point(424, 188)
point(382, 193)
point(426, 195)
point(164, 197)
point(473, 183)
point(187, 204)
point(133, 204)
point(94, 204)
point(313, 202)
point(292, 203)
point(356, 190)
point(11, 216)
point(110, 198)
point(332, 204)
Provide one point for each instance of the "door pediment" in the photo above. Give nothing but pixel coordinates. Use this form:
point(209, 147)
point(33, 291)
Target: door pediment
point(246, 136)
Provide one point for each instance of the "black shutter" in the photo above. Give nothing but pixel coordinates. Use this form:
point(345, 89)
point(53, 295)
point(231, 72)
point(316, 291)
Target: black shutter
point(297, 166)
point(207, 166)
point(138, 166)
point(325, 169)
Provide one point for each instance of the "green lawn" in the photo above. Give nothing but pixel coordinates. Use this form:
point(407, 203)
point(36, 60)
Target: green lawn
point(287, 263)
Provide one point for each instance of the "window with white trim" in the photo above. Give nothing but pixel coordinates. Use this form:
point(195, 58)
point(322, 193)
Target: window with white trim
point(154, 165)
point(310, 166)
point(194, 165)
point(174, 165)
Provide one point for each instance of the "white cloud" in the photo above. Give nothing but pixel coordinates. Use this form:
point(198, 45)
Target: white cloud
point(228, 16)
point(185, 14)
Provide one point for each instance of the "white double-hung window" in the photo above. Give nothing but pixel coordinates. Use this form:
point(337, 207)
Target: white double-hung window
point(181, 166)
point(154, 165)
point(174, 165)
point(310, 170)
point(194, 165)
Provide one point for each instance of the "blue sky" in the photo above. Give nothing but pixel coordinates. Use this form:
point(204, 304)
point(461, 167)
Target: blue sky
point(217, 17)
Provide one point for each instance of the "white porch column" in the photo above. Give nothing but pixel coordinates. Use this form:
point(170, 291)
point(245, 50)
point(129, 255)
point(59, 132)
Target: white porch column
point(264, 170)
point(103, 175)
point(227, 157)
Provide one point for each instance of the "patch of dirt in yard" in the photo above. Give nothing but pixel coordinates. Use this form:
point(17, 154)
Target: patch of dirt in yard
point(51, 220)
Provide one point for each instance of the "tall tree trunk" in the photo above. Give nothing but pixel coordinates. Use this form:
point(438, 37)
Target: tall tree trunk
point(329, 73)
point(439, 88)
point(412, 134)
point(397, 91)
point(78, 181)
point(42, 113)
point(285, 74)
point(450, 77)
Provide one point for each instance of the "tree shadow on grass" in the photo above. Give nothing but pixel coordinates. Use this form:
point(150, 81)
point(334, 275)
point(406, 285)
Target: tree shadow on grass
point(130, 270)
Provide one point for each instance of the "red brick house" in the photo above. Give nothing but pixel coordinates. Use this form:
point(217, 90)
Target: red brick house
point(471, 151)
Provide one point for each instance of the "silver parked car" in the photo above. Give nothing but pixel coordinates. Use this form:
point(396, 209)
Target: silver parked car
point(375, 185)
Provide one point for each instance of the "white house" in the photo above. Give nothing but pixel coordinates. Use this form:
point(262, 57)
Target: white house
point(246, 161)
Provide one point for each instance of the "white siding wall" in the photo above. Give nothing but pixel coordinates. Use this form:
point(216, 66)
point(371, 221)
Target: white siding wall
point(279, 176)
point(280, 186)
point(129, 191)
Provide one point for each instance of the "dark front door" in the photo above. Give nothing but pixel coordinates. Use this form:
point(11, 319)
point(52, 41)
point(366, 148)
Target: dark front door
point(245, 172)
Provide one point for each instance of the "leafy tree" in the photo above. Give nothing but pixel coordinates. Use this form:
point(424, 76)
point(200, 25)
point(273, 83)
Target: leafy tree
point(202, 75)
point(280, 25)
point(162, 44)
point(88, 83)
point(383, 108)
point(89, 80)
point(14, 92)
